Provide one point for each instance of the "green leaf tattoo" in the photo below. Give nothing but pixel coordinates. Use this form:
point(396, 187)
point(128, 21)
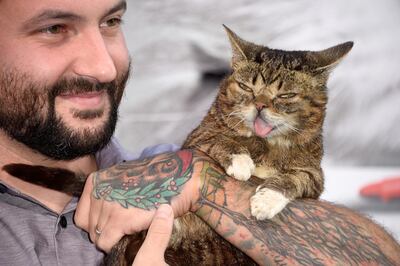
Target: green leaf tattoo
point(145, 186)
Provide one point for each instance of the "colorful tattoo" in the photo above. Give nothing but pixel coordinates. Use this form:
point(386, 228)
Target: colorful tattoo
point(145, 184)
point(306, 232)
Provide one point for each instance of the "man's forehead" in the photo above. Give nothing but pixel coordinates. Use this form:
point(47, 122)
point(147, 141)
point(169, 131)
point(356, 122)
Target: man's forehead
point(22, 9)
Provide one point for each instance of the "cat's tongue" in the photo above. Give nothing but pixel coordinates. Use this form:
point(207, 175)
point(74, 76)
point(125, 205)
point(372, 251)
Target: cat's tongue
point(261, 127)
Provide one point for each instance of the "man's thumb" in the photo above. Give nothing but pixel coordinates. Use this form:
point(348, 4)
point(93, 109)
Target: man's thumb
point(160, 229)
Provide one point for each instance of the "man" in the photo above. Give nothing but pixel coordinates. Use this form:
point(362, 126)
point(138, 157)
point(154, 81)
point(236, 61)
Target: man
point(63, 68)
point(62, 76)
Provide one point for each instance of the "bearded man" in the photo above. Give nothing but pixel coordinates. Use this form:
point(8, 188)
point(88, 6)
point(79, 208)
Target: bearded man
point(63, 69)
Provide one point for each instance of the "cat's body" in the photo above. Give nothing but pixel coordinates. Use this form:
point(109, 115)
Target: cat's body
point(267, 122)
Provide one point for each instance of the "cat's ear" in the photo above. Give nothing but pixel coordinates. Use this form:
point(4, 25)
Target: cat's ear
point(329, 58)
point(241, 49)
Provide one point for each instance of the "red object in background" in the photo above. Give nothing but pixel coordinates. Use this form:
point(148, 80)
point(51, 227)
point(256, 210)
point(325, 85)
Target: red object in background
point(386, 189)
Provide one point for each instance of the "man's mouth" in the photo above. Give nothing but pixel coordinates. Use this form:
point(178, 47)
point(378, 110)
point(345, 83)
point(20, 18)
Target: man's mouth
point(85, 99)
point(262, 128)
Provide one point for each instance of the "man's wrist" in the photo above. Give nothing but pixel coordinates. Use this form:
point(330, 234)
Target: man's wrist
point(204, 168)
point(145, 183)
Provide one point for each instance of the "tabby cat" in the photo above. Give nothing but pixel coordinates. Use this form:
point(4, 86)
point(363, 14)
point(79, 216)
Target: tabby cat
point(266, 121)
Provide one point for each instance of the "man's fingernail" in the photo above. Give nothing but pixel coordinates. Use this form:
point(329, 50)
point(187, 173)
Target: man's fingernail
point(164, 210)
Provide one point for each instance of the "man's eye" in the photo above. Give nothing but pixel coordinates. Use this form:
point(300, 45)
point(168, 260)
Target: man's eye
point(54, 29)
point(114, 22)
point(244, 87)
point(287, 95)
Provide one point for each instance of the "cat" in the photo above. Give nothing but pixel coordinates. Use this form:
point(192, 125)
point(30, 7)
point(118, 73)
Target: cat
point(266, 121)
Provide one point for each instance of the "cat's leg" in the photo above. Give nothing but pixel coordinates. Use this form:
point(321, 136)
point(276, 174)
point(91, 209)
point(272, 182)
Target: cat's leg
point(266, 203)
point(277, 191)
point(264, 172)
point(242, 166)
point(231, 155)
point(237, 161)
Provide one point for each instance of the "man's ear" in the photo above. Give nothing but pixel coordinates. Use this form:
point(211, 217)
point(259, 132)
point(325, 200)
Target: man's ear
point(241, 49)
point(327, 59)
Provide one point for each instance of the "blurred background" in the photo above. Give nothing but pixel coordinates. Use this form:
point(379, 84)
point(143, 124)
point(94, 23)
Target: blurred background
point(180, 53)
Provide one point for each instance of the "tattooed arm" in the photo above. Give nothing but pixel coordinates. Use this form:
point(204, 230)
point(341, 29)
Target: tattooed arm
point(305, 232)
point(122, 199)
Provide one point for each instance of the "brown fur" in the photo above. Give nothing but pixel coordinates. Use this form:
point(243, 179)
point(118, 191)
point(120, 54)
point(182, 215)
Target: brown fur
point(294, 155)
point(289, 160)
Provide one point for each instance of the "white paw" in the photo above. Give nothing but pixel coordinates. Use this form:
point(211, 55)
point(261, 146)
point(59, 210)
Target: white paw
point(266, 203)
point(242, 167)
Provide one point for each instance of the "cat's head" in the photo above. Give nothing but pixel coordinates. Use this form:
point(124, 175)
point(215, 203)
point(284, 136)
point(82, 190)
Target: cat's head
point(277, 95)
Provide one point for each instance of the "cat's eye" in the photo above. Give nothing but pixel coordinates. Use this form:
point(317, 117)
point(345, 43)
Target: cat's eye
point(287, 95)
point(244, 87)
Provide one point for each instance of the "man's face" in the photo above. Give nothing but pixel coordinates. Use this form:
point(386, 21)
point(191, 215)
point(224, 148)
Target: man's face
point(63, 68)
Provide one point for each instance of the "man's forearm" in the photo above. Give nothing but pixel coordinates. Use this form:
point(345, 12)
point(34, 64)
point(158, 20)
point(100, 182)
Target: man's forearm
point(306, 232)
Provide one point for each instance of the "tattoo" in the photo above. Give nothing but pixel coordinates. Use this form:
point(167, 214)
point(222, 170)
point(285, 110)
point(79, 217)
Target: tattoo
point(145, 184)
point(215, 179)
point(306, 232)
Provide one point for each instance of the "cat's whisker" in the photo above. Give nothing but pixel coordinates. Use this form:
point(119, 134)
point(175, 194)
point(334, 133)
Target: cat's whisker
point(233, 113)
point(280, 130)
point(290, 126)
point(293, 128)
point(234, 127)
point(241, 120)
point(280, 124)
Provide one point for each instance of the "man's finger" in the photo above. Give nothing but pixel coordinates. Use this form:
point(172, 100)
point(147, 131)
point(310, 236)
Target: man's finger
point(83, 209)
point(108, 238)
point(99, 214)
point(160, 229)
point(157, 238)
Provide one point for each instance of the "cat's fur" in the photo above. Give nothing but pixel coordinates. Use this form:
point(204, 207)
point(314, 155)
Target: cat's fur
point(267, 122)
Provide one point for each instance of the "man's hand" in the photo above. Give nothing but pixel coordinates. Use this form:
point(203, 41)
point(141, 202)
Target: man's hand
point(107, 222)
point(122, 200)
point(153, 248)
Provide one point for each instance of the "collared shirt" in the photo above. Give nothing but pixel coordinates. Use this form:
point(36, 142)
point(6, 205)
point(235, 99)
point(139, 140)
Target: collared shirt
point(31, 234)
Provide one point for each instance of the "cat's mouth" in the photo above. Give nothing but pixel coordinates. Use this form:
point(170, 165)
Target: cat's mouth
point(262, 128)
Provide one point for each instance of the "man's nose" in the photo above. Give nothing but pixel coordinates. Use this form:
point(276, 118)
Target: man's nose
point(93, 59)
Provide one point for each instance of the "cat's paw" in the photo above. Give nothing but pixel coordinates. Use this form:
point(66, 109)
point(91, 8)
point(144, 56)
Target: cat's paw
point(242, 167)
point(266, 203)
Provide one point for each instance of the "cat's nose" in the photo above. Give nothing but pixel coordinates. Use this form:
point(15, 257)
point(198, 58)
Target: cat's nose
point(260, 106)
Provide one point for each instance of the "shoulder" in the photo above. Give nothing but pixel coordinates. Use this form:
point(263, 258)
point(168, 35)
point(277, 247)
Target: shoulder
point(115, 153)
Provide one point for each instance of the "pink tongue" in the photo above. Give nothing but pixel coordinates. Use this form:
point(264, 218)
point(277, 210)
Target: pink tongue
point(261, 127)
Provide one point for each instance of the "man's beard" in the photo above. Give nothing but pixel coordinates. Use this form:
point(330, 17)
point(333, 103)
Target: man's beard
point(27, 114)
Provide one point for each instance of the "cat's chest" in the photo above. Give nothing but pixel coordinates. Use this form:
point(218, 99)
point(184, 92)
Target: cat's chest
point(263, 153)
point(257, 147)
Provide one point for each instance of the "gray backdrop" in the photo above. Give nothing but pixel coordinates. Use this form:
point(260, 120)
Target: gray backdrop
point(180, 49)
